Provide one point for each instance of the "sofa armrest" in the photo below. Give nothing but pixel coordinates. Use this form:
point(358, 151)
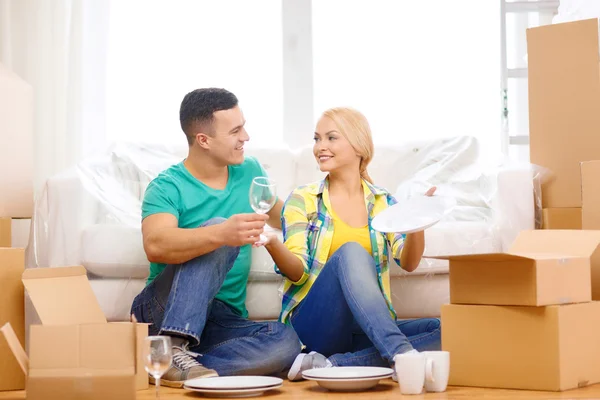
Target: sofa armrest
point(513, 202)
point(63, 210)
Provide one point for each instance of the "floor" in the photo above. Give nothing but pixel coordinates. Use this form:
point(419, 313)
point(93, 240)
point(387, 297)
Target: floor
point(387, 389)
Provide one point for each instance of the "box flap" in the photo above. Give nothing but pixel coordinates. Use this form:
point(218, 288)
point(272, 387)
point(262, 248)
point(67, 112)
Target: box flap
point(492, 257)
point(92, 346)
point(15, 347)
point(62, 296)
point(573, 242)
point(54, 346)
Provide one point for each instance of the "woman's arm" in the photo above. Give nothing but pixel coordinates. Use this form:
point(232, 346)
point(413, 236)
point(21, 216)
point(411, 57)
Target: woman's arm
point(412, 251)
point(291, 256)
point(286, 261)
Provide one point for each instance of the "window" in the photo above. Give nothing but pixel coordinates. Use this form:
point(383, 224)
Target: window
point(416, 69)
point(159, 51)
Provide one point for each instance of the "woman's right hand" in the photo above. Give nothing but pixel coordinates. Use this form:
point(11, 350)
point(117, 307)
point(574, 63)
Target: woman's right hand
point(271, 237)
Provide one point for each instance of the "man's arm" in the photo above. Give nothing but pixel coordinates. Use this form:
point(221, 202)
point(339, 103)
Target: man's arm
point(274, 220)
point(165, 242)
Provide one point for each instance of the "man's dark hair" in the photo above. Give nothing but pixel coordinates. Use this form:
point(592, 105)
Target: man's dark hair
point(198, 108)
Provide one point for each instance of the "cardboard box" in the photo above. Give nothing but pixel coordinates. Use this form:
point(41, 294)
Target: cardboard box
point(564, 99)
point(12, 262)
point(75, 352)
point(525, 276)
point(16, 152)
point(561, 218)
point(539, 348)
point(590, 194)
point(580, 243)
point(5, 232)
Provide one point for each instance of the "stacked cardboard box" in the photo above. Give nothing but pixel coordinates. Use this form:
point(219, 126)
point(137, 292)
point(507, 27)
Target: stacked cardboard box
point(12, 263)
point(16, 149)
point(525, 319)
point(564, 122)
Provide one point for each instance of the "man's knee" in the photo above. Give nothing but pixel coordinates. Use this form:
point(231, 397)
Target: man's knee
point(284, 347)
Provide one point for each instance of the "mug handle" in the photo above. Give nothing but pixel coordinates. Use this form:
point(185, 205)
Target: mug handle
point(429, 370)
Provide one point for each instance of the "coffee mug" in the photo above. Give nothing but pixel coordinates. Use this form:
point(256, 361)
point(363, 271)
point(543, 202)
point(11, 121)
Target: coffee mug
point(440, 370)
point(412, 369)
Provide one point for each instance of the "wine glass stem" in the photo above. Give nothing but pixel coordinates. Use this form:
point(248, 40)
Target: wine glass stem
point(157, 384)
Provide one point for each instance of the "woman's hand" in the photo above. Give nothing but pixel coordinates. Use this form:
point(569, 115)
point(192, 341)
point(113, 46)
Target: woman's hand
point(271, 237)
point(414, 245)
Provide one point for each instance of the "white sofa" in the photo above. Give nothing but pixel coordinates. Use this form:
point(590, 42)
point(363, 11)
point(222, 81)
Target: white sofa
point(90, 216)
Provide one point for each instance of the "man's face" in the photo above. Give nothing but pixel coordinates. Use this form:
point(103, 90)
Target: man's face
point(226, 144)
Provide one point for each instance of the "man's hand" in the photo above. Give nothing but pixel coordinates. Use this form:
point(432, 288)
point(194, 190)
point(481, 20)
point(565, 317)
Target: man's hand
point(242, 229)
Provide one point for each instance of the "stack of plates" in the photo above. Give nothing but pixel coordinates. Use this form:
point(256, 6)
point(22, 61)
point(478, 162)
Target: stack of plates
point(233, 386)
point(348, 378)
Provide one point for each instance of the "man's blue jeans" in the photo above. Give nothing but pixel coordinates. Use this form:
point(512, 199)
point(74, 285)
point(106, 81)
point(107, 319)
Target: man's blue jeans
point(345, 316)
point(181, 302)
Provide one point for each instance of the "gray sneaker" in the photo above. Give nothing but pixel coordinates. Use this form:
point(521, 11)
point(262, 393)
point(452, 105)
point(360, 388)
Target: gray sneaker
point(304, 362)
point(184, 367)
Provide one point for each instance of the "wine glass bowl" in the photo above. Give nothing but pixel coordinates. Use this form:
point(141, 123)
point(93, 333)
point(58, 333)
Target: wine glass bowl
point(158, 357)
point(263, 196)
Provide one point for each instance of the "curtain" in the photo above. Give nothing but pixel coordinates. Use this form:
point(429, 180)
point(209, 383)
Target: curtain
point(59, 47)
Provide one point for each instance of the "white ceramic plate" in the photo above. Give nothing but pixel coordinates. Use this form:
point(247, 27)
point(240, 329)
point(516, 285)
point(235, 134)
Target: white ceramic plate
point(231, 393)
point(233, 382)
point(413, 215)
point(348, 379)
point(337, 373)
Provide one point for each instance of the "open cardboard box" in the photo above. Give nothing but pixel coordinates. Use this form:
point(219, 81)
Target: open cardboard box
point(564, 103)
point(542, 267)
point(76, 353)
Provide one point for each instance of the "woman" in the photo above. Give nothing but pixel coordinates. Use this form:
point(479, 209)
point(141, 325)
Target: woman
point(337, 290)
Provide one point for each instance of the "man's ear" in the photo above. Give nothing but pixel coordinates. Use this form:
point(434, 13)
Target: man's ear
point(203, 140)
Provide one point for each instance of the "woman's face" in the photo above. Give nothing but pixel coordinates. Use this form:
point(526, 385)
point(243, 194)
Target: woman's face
point(332, 150)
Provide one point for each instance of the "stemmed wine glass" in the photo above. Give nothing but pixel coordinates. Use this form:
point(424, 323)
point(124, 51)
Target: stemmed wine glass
point(263, 196)
point(158, 357)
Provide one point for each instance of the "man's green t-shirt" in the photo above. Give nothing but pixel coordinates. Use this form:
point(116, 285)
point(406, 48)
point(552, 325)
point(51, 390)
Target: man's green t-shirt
point(176, 191)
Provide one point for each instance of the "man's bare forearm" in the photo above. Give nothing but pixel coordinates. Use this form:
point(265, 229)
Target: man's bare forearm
point(178, 245)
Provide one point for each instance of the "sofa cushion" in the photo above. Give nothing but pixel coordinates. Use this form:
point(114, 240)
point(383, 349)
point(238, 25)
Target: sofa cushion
point(114, 251)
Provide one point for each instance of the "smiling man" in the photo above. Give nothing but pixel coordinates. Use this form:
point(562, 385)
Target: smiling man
point(198, 229)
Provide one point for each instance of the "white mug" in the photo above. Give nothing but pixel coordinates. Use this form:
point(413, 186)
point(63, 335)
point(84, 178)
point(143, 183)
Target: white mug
point(412, 369)
point(440, 363)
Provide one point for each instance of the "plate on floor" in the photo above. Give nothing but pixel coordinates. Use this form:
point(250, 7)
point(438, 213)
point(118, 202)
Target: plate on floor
point(413, 215)
point(348, 378)
point(233, 383)
point(231, 393)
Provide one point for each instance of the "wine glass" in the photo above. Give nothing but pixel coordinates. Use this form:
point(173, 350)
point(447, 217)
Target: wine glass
point(158, 357)
point(262, 197)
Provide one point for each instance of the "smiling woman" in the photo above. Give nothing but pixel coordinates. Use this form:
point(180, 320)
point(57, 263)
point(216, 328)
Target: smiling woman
point(199, 44)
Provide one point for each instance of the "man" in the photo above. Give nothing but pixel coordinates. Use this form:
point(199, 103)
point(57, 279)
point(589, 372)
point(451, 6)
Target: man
point(198, 229)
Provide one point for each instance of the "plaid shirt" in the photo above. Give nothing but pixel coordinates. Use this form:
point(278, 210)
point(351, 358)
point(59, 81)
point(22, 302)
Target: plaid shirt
point(307, 228)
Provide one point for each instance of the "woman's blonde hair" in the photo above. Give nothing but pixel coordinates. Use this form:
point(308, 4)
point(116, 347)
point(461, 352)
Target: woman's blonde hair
point(355, 128)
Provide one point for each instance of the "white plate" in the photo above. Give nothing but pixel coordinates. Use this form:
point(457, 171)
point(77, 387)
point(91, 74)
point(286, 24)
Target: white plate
point(230, 393)
point(233, 382)
point(413, 215)
point(348, 379)
point(347, 373)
